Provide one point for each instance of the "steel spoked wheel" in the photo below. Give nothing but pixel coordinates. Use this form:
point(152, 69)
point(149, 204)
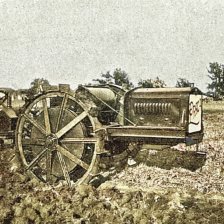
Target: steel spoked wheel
point(55, 139)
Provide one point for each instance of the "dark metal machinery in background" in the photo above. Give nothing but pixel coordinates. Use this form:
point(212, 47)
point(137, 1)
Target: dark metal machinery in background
point(65, 135)
point(11, 101)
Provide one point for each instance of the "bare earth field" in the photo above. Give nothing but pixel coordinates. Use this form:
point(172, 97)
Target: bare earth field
point(164, 186)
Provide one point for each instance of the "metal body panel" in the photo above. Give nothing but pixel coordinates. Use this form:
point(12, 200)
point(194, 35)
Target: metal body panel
point(153, 135)
point(105, 94)
point(145, 105)
point(162, 113)
point(144, 131)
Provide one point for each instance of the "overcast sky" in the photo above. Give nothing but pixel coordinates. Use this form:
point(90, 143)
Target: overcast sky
point(74, 41)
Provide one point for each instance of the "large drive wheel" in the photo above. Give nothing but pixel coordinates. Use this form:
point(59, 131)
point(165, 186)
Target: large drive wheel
point(55, 139)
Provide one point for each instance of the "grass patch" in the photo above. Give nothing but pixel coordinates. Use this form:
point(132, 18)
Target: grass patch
point(213, 106)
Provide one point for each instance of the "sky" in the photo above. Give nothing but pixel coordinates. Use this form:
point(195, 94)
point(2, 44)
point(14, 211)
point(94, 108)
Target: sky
point(75, 41)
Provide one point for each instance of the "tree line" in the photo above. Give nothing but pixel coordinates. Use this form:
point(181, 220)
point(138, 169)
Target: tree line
point(120, 77)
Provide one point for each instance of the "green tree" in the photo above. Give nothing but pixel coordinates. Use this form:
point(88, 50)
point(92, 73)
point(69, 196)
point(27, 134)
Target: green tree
point(216, 74)
point(181, 82)
point(36, 86)
point(106, 78)
point(118, 77)
point(150, 83)
point(146, 83)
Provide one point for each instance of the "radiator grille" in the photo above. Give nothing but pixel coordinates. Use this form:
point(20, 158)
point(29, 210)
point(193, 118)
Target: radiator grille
point(152, 108)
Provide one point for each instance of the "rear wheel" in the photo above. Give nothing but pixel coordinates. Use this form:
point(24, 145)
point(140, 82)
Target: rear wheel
point(55, 139)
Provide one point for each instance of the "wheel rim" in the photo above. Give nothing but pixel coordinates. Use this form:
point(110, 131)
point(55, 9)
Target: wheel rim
point(54, 138)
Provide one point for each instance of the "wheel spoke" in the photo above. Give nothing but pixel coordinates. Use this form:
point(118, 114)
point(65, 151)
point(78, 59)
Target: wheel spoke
point(61, 112)
point(2, 101)
point(78, 140)
point(46, 117)
point(34, 123)
point(72, 157)
point(64, 168)
point(71, 124)
point(37, 141)
point(49, 165)
point(37, 159)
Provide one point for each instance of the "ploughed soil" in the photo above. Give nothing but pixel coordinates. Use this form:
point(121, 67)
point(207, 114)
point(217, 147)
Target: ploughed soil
point(176, 185)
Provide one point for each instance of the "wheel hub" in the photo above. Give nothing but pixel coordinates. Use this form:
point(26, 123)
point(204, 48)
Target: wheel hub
point(51, 141)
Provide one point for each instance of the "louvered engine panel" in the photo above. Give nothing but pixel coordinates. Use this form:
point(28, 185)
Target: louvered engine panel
point(165, 112)
point(152, 108)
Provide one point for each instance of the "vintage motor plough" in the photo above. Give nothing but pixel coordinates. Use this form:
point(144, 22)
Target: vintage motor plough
point(65, 135)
